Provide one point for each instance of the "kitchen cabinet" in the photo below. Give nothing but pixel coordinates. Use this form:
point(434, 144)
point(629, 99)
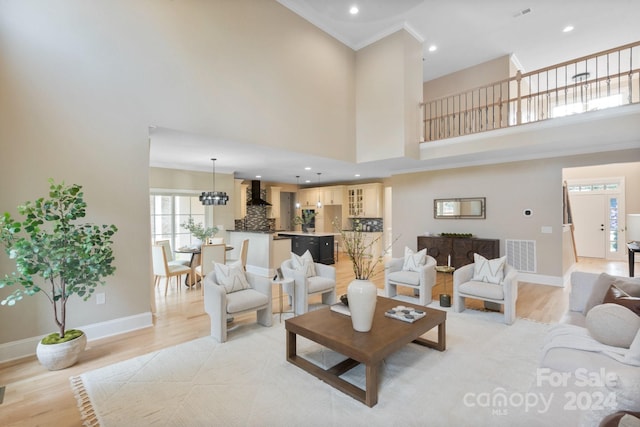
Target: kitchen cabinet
point(273, 197)
point(461, 249)
point(365, 200)
point(320, 246)
point(333, 195)
point(240, 199)
point(308, 197)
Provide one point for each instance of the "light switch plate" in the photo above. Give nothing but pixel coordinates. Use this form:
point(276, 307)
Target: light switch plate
point(547, 229)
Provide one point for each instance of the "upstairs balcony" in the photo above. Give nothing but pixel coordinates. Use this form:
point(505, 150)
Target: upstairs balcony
point(596, 82)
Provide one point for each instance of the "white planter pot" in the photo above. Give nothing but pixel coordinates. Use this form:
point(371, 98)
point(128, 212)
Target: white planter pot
point(60, 356)
point(362, 295)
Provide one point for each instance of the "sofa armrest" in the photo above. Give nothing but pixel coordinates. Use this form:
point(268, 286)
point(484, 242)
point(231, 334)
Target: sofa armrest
point(215, 297)
point(582, 285)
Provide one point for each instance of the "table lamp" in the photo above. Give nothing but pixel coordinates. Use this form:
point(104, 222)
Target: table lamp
point(633, 227)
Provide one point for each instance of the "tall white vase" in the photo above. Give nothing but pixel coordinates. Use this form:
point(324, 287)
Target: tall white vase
point(362, 295)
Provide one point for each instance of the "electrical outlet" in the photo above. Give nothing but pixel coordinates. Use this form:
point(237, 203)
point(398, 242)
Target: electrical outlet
point(100, 298)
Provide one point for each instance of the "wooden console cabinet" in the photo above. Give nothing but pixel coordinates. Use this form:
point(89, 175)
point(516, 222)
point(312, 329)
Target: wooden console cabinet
point(461, 249)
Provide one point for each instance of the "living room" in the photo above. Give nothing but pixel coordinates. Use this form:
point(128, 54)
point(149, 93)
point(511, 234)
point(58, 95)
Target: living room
point(83, 83)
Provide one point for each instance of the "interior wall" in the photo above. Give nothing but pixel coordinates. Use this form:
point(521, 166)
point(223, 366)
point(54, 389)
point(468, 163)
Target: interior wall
point(81, 83)
point(509, 188)
point(388, 84)
point(469, 78)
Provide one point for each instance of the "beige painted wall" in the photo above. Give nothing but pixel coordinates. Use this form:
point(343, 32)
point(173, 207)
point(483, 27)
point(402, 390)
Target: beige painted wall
point(509, 189)
point(81, 82)
point(388, 82)
point(469, 78)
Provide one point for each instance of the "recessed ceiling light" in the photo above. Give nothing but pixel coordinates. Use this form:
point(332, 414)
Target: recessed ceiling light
point(258, 176)
point(354, 10)
point(308, 168)
point(433, 48)
point(567, 29)
point(307, 181)
point(357, 175)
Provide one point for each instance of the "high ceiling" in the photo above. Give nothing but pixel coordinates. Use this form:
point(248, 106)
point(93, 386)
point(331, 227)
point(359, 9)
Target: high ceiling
point(466, 33)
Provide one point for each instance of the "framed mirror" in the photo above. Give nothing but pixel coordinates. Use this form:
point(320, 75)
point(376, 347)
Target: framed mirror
point(471, 208)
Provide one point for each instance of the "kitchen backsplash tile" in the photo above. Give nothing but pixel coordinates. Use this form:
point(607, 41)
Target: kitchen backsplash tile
point(368, 224)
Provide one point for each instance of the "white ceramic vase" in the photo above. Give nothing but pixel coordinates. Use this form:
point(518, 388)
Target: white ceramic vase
point(60, 356)
point(362, 295)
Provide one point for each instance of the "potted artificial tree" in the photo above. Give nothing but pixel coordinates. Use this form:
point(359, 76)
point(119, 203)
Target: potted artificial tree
point(304, 220)
point(58, 257)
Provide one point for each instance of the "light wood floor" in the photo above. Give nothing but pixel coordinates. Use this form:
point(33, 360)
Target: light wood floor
point(37, 397)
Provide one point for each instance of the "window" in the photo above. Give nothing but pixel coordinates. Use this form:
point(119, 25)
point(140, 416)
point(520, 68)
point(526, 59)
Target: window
point(168, 211)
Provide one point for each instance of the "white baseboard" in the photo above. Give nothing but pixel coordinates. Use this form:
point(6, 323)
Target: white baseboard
point(27, 347)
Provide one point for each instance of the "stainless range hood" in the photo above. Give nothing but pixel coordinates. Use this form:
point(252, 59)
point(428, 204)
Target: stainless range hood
point(255, 195)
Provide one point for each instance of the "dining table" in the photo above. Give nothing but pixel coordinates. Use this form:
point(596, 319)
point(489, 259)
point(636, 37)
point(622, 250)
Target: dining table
point(190, 279)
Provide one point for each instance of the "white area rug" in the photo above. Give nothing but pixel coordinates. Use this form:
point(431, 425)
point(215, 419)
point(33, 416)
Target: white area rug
point(248, 382)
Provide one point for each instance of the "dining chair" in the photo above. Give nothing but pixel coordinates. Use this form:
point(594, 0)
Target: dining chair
point(161, 268)
point(244, 249)
point(216, 240)
point(210, 254)
point(171, 260)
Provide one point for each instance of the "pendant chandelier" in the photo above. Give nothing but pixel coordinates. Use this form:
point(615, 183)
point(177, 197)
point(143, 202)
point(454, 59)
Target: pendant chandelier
point(214, 197)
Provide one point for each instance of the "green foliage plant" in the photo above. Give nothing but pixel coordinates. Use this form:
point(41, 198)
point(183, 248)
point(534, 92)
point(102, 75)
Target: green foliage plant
point(69, 257)
point(305, 219)
point(198, 230)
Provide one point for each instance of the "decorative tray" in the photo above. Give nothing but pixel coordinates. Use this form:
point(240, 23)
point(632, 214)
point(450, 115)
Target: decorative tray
point(406, 314)
point(341, 308)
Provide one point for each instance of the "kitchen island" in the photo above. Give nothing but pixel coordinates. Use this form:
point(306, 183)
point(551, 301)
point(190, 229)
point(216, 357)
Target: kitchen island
point(266, 250)
point(320, 245)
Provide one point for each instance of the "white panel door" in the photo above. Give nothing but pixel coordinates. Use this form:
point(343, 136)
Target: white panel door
point(589, 221)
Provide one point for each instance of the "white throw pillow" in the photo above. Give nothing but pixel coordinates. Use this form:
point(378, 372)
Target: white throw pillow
point(413, 261)
point(304, 263)
point(613, 324)
point(231, 277)
point(488, 270)
point(599, 290)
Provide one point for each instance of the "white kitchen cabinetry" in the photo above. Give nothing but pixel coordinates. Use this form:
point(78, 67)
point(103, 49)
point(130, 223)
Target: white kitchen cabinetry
point(365, 200)
point(333, 195)
point(240, 202)
point(273, 197)
point(308, 197)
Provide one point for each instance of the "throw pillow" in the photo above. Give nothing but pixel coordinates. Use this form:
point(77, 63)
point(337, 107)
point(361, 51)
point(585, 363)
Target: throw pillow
point(599, 290)
point(304, 263)
point(630, 285)
point(413, 261)
point(231, 277)
point(612, 324)
point(488, 270)
point(616, 295)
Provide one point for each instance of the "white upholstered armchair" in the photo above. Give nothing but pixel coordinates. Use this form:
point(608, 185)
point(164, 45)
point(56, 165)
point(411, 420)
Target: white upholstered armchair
point(421, 281)
point(324, 282)
point(505, 293)
point(219, 304)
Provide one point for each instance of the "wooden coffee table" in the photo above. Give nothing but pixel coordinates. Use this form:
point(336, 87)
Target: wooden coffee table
point(334, 331)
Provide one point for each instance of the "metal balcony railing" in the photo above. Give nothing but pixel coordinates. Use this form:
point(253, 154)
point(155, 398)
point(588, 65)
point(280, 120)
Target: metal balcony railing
point(606, 79)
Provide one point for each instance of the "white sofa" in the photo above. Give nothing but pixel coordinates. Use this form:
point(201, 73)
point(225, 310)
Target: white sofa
point(570, 348)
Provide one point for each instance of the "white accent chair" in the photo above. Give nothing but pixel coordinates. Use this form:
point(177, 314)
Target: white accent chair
point(421, 281)
point(161, 268)
point(219, 305)
point(324, 283)
point(210, 254)
point(505, 293)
